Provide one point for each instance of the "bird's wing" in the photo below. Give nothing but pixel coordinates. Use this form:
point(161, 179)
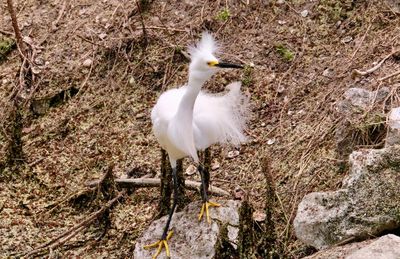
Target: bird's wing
point(172, 132)
point(220, 118)
point(164, 110)
point(167, 104)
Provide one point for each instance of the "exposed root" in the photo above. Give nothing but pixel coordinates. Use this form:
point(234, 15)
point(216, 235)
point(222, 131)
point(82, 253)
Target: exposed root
point(155, 182)
point(389, 76)
point(376, 67)
point(64, 237)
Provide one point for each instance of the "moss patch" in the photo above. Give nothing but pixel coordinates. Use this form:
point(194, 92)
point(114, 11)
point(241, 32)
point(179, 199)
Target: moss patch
point(285, 53)
point(6, 46)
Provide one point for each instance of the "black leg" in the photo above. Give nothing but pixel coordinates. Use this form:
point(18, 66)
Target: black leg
point(205, 167)
point(205, 177)
point(164, 205)
point(207, 162)
point(181, 198)
point(171, 212)
point(204, 182)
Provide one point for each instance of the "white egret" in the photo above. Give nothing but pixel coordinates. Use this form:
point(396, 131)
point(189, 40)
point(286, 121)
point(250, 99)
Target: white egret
point(187, 119)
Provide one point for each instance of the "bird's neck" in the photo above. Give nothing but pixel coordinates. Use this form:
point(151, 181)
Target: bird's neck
point(188, 100)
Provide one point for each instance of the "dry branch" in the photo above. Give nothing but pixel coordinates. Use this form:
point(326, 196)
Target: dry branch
point(154, 182)
point(15, 26)
point(377, 66)
point(389, 76)
point(161, 28)
point(8, 33)
point(362, 40)
point(54, 24)
point(139, 8)
point(64, 237)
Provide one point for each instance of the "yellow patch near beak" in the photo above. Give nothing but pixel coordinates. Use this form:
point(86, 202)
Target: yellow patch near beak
point(212, 63)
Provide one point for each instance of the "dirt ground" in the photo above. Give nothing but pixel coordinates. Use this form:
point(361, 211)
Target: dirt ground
point(112, 60)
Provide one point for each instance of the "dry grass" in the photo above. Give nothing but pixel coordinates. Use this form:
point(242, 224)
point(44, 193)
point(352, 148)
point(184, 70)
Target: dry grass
point(108, 120)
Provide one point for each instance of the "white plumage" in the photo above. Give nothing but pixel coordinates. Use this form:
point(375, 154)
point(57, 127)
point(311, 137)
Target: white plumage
point(187, 119)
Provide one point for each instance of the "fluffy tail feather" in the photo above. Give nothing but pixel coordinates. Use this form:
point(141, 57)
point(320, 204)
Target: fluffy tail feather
point(239, 113)
point(221, 119)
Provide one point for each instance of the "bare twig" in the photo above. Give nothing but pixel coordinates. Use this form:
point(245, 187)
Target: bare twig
point(154, 182)
point(202, 11)
point(292, 8)
point(14, 21)
point(57, 204)
point(389, 76)
point(361, 42)
point(36, 162)
point(139, 7)
point(6, 32)
point(161, 28)
point(91, 42)
point(377, 66)
point(64, 237)
point(27, 54)
point(82, 87)
point(183, 52)
point(60, 14)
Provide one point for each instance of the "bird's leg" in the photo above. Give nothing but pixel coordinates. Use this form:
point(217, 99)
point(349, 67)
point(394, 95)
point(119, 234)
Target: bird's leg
point(205, 178)
point(181, 199)
point(166, 235)
point(164, 205)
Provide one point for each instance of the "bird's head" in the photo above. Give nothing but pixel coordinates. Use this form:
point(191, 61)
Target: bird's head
point(203, 61)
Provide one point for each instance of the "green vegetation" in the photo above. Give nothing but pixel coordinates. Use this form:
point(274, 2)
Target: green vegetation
point(224, 15)
point(333, 11)
point(247, 78)
point(6, 46)
point(284, 52)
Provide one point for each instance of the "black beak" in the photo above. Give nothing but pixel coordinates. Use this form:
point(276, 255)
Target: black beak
point(228, 65)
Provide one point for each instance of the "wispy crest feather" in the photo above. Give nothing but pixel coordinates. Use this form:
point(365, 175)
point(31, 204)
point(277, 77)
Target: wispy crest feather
point(207, 45)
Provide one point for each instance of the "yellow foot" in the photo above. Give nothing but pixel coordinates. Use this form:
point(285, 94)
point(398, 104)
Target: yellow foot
point(205, 208)
point(161, 243)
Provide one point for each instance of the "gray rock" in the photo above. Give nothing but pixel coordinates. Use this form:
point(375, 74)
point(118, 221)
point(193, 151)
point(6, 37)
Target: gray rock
point(367, 204)
point(358, 100)
point(358, 97)
point(352, 111)
point(339, 252)
point(393, 133)
point(385, 247)
point(191, 238)
point(394, 5)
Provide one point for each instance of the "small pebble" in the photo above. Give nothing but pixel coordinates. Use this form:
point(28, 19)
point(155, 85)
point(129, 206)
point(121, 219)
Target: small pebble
point(215, 165)
point(280, 89)
point(140, 115)
point(347, 39)
point(87, 63)
point(131, 80)
point(259, 216)
point(191, 170)
point(239, 193)
point(327, 72)
point(232, 154)
point(304, 13)
point(102, 36)
point(270, 77)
